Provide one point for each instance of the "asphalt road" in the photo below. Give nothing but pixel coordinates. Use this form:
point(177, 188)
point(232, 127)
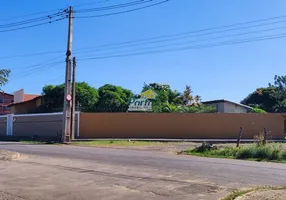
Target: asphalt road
point(69, 172)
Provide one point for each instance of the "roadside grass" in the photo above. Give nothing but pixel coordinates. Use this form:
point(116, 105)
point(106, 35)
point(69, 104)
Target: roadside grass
point(38, 142)
point(112, 143)
point(271, 152)
point(238, 193)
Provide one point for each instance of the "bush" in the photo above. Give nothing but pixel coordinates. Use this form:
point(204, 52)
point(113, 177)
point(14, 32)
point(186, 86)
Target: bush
point(283, 155)
point(265, 152)
point(244, 153)
point(258, 110)
point(205, 146)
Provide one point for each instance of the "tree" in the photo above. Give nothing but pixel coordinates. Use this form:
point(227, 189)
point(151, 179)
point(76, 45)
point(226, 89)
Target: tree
point(187, 96)
point(263, 98)
point(4, 74)
point(173, 101)
point(86, 96)
point(270, 99)
point(113, 98)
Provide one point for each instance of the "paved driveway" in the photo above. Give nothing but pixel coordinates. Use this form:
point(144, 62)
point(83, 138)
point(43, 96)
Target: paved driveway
point(68, 172)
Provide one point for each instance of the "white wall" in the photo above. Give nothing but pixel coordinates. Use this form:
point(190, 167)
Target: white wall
point(19, 96)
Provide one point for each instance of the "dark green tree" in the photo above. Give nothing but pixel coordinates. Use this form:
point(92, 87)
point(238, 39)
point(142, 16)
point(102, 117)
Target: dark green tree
point(263, 98)
point(86, 97)
point(113, 98)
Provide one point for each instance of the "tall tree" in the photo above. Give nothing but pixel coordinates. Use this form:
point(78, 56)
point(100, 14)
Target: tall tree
point(86, 96)
point(113, 98)
point(263, 98)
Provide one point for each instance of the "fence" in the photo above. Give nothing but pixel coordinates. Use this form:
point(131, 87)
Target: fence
point(178, 125)
point(46, 125)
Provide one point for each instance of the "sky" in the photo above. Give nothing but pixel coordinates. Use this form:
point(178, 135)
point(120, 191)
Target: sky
point(218, 72)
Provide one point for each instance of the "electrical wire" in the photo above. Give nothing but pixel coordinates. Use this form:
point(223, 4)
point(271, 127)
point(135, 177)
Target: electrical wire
point(35, 25)
point(213, 30)
point(171, 40)
point(138, 2)
point(20, 23)
point(122, 12)
point(280, 36)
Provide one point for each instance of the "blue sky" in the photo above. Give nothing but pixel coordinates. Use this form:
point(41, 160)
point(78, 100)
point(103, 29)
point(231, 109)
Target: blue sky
point(229, 72)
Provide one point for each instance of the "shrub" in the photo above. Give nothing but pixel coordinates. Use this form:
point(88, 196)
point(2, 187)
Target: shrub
point(205, 146)
point(283, 155)
point(258, 110)
point(244, 153)
point(263, 152)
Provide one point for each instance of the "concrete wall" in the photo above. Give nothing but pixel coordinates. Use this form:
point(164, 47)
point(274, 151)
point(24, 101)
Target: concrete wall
point(3, 126)
point(176, 125)
point(42, 125)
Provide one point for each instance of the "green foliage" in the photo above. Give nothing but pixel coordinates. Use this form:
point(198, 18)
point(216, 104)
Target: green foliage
point(86, 96)
point(258, 110)
point(113, 97)
point(270, 99)
point(270, 152)
point(4, 74)
point(173, 101)
point(205, 146)
point(262, 98)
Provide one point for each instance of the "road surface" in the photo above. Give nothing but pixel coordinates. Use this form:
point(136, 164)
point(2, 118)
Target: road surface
point(69, 172)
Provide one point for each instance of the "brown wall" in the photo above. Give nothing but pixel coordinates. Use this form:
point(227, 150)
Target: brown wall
point(177, 125)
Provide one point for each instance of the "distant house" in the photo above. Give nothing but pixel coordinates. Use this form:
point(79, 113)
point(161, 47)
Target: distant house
point(25, 103)
point(225, 106)
point(5, 100)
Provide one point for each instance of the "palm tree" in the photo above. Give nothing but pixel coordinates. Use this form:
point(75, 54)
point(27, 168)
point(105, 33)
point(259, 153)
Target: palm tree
point(4, 74)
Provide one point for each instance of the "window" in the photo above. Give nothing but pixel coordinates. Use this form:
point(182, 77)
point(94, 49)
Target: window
point(1, 99)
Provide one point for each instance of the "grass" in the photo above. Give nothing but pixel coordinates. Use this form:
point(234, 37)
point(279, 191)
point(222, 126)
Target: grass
point(237, 193)
point(111, 143)
point(99, 143)
point(38, 142)
point(270, 152)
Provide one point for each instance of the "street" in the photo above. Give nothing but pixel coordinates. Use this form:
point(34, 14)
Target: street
point(69, 172)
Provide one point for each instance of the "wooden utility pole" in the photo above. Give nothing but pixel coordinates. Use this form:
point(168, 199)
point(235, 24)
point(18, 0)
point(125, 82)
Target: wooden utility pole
point(73, 99)
point(67, 94)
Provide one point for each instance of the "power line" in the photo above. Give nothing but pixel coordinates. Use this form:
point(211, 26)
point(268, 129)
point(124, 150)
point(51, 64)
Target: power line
point(122, 5)
point(33, 14)
point(161, 38)
point(126, 11)
point(91, 3)
point(280, 36)
point(35, 25)
point(44, 18)
point(184, 42)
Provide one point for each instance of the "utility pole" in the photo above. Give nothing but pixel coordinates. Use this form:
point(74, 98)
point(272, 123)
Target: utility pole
point(73, 99)
point(67, 93)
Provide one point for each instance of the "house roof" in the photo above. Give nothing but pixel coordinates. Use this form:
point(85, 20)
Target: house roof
point(29, 99)
point(6, 93)
point(224, 100)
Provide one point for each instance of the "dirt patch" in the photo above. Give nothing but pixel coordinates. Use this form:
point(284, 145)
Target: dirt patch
point(264, 195)
point(9, 155)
